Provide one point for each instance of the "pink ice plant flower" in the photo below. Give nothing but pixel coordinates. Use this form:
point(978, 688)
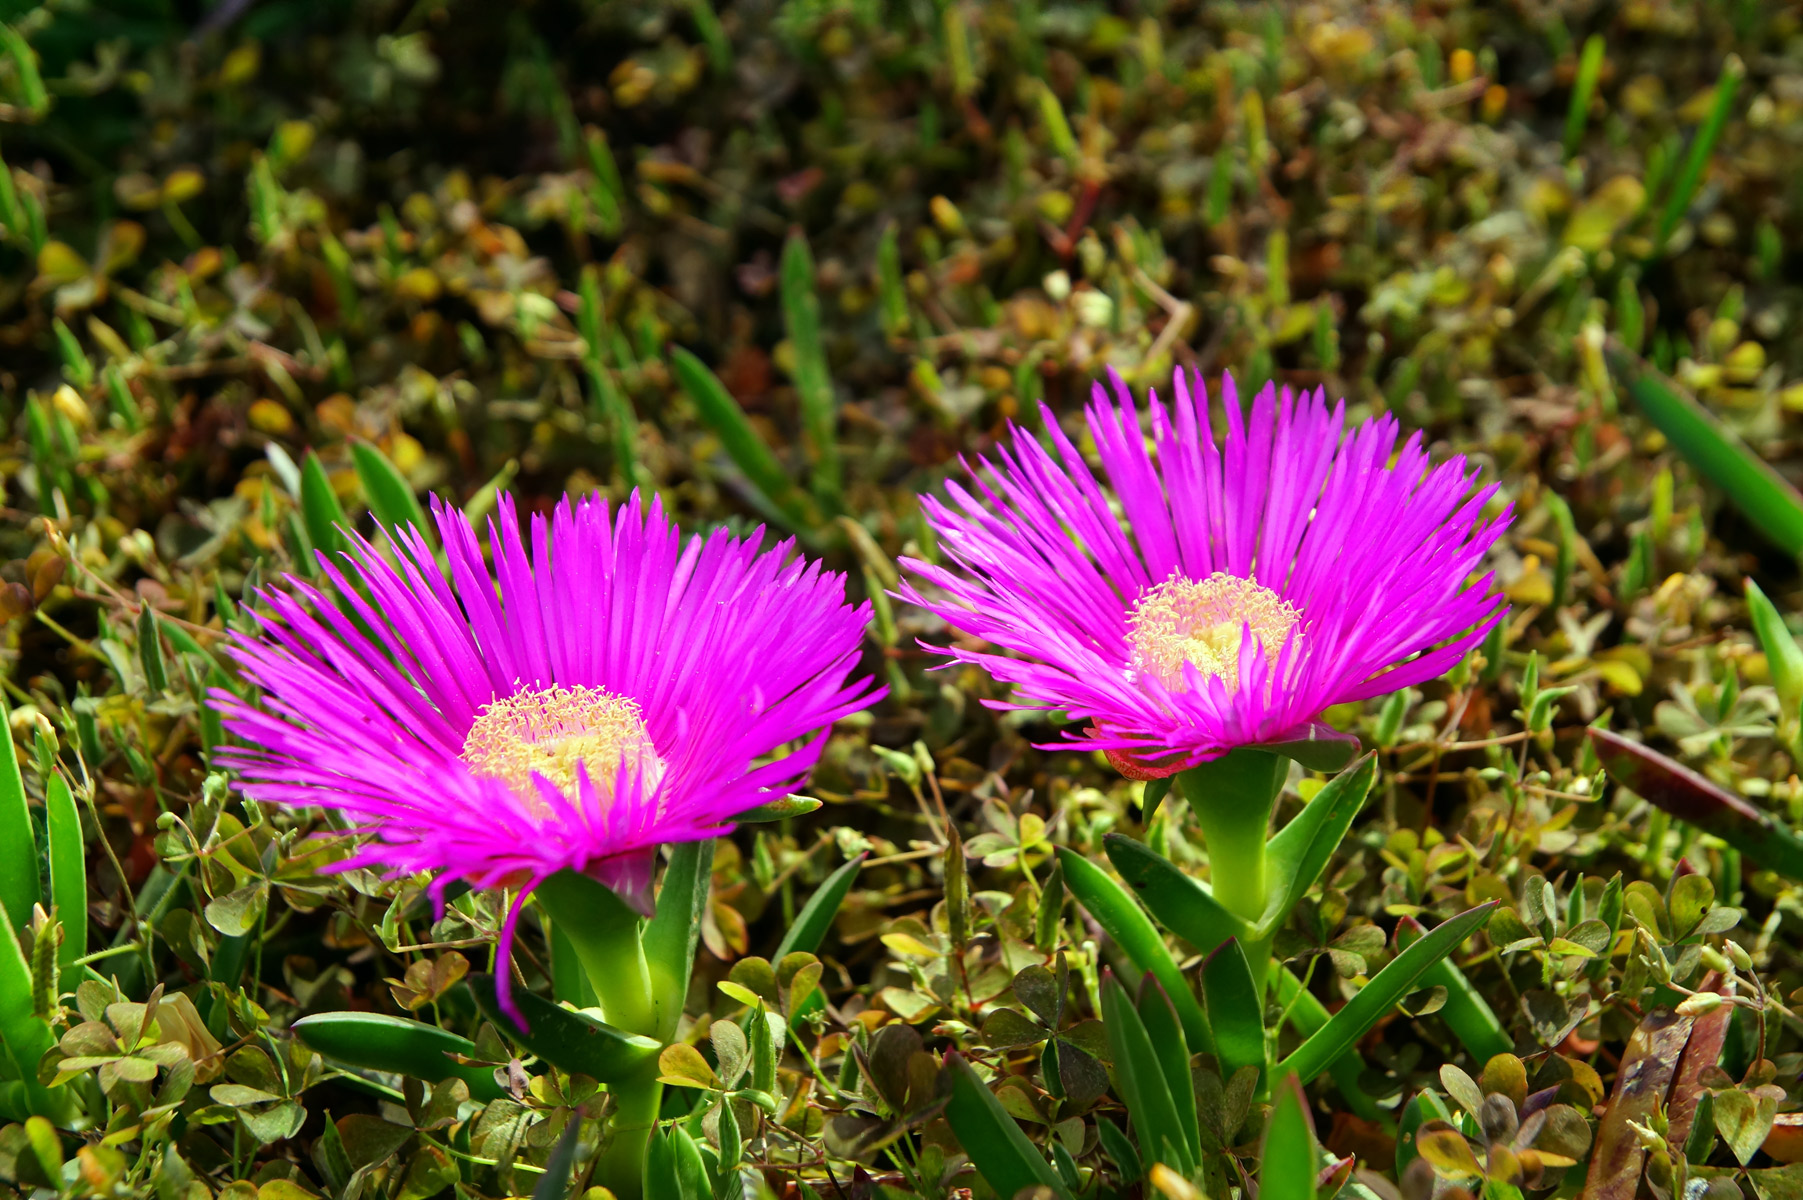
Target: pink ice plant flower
point(1228, 591)
point(615, 688)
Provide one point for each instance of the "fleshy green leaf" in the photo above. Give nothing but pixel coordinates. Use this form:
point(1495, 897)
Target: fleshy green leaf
point(743, 445)
point(778, 810)
point(1140, 1080)
point(1761, 494)
point(569, 982)
point(389, 494)
point(1784, 658)
point(571, 1040)
point(813, 383)
point(1690, 174)
point(1320, 748)
point(1003, 1155)
point(23, 1035)
point(1426, 1106)
point(1307, 1015)
point(1160, 1019)
point(1389, 985)
point(1465, 1011)
point(68, 873)
point(1302, 849)
point(1287, 1168)
point(320, 510)
point(1690, 797)
point(816, 916)
point(1121, 917)
point(379, 1042)
point(1183, 905)
point(691, 1169)
point(671, 935)
point(1236, 1011)
point(18, 845)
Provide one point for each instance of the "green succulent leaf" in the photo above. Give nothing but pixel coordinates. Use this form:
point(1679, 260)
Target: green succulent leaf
point(1121, 917)
point(379, 1042)
point(1003, 1155)
point(572, 1040)
point(816, 916)
point(1396, 980)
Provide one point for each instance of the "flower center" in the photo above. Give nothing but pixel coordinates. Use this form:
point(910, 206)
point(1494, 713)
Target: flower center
point(1203, 622)
point(556, 730)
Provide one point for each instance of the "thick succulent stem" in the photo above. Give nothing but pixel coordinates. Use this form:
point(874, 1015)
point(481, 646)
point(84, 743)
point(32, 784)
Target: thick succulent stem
point(606, 936)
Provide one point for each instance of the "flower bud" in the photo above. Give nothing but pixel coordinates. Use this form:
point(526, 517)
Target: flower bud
point(1702, 1002)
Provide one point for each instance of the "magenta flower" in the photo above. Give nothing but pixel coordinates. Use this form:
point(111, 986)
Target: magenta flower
point(616, 689)
point(1227, 592)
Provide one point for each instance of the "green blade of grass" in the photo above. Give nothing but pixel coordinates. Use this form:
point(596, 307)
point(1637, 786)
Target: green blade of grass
point(389, 494)
point(1761, 494)
point(1690, 174)
point(743, 445)
point(18, 844)
point(816, 916)
point(813, 382)
point(1583, 89)
point(68, 872)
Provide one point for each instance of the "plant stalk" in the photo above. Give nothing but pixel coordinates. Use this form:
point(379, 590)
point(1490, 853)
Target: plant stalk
point(1232, 798)
point(606, 936)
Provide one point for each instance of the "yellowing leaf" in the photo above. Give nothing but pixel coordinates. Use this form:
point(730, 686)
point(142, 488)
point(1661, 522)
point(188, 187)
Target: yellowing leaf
point(1621, 677)
point(182, 184)
point(681, 1065)
point(1449, 1154)
point(58, 263)
point(1596, 222)
point(907, 943)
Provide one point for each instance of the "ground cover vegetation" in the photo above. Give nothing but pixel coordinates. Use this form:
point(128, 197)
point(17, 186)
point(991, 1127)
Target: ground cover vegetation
point(279, 278)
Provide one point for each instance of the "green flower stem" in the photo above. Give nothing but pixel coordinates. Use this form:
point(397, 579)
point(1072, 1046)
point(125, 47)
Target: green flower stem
point(1232, 798)
point(606, 937)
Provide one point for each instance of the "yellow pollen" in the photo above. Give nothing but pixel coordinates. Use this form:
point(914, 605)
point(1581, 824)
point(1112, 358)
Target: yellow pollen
point(1203, 622)
point(553, 731)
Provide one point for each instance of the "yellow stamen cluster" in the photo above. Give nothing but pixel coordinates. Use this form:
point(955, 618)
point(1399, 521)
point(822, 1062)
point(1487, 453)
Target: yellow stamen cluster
point(555, 730)
point(1203, 622)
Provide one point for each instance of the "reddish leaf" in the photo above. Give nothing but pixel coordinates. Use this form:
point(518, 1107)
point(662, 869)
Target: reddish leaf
point(1688, 796)
point(1640, 1087)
